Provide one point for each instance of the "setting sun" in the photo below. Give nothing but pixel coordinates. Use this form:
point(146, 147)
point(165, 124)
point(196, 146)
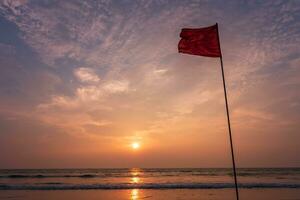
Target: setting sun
point(135, 145)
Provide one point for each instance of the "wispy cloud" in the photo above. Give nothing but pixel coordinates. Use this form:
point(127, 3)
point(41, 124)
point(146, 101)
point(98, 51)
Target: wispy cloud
point(111, 69)
point(86, 75)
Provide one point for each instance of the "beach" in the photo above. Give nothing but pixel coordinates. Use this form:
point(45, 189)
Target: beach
point(135, 194)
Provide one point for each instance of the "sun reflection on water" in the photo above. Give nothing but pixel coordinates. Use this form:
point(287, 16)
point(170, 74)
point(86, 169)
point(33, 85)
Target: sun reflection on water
point(135, 180)
point(135, 173)
point(134, 194)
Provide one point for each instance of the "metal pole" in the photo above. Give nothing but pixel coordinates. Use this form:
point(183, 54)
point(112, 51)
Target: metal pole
point(229, 127)
point(230, 136)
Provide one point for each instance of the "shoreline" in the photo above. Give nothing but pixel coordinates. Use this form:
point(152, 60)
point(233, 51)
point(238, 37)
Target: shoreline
point(157, 194)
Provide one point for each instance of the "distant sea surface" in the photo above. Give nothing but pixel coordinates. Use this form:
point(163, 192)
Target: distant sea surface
point(136, 178)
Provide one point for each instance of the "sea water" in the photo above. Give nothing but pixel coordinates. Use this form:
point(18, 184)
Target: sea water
point(148, 178)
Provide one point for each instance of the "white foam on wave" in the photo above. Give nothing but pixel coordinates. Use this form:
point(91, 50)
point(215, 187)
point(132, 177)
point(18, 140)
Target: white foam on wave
point(61, 186)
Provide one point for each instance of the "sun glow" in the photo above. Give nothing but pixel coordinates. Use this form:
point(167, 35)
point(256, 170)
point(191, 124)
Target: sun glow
point(135, 145)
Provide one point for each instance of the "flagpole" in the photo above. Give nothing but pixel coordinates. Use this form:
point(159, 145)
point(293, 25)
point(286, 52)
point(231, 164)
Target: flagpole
point(228, 121)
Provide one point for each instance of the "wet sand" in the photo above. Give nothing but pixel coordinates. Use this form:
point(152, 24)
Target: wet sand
point(135, 194)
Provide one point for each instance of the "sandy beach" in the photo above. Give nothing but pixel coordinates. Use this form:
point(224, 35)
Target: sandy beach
point(135, 194)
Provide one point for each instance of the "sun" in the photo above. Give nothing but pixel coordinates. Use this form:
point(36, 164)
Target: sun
point(135, 145)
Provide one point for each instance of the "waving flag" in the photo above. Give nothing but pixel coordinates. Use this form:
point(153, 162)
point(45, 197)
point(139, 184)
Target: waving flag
point(200, 41)
point(205, 42)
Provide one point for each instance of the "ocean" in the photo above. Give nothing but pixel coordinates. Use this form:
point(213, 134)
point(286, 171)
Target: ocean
point(13, 181)
point(73, 179)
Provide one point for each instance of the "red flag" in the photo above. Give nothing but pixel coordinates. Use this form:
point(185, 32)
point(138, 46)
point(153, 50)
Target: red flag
point(200, 41)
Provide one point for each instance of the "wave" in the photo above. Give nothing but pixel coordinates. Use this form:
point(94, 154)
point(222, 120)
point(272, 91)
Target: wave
point(91, 173)
point(61, 186)
point(13, 176)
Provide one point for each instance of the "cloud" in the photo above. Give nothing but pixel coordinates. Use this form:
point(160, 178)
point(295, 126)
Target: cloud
point(129, 47)
point(87, 94)
point(74, 111)
point(86, 75)
point(160, 71)
point(116, 86)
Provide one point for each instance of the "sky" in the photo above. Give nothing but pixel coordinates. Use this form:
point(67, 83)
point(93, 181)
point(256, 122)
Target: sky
point(80, 81)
